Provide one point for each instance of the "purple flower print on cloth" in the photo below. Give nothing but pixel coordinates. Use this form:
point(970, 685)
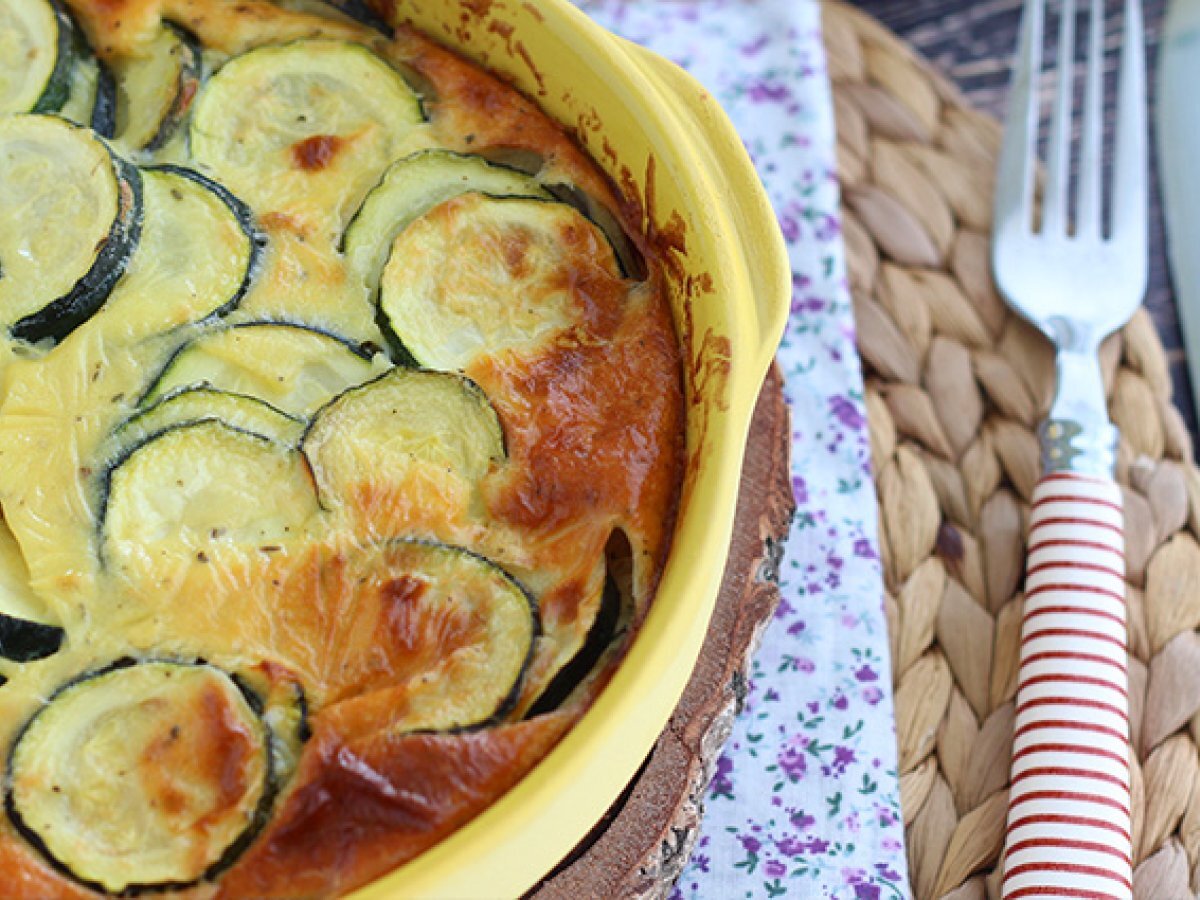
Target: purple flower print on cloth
point(805, 800)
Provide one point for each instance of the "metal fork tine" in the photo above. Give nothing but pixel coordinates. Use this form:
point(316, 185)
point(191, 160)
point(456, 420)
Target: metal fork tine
point(1054, 203)
point(1018, 153)
point(1087, 221)
point(1130, 169)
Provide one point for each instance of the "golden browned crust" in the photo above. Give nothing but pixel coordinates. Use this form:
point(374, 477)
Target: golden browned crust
point(363, 804)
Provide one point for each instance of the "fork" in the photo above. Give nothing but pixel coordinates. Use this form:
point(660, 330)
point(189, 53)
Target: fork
point(1068, 831)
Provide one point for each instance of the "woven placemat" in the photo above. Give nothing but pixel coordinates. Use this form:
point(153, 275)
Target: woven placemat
point(955, 388)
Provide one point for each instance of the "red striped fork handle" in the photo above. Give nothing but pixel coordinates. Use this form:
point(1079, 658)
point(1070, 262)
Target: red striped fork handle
point(1068, 818)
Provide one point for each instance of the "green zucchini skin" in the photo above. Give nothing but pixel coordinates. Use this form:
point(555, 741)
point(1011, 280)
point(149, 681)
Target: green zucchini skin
point(441, 336)
point(506, 704)
point(364, 13)
point(508, 700)
point(259, 819)
point(198, 255)
point(408, 189)
point(403, 404)
point(282, 101)
point(238, 207)
point(44, 78)
point(251, 414)
point(122, 456)
point(28, 631)
point(190, 74)
point(153, 392)
point(283, 706)
point(600, 637)
point(89, 73)
point(84, 75)
point(179, 50)
point(58, 88)
point(62, 316)
point(22, 640)
point(104, 110)
point(302, 490)
point(277, 773)
point(628, 257)
point(246, 221)
point(413, 185)
point(397, 352)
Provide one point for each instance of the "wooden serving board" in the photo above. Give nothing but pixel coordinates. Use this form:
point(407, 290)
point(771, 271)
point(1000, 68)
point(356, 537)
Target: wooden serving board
point(639, 847)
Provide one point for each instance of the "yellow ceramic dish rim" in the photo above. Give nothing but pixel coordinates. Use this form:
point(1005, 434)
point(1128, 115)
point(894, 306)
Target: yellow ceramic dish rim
point(623, 96)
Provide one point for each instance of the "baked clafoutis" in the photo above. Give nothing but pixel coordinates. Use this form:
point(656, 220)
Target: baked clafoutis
point(341, 440)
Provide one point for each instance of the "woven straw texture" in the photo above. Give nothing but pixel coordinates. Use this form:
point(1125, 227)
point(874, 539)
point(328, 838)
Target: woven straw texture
point(955, 388)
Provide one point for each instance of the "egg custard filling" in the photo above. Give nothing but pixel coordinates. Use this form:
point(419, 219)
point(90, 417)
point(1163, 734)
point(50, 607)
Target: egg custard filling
point(339, 455)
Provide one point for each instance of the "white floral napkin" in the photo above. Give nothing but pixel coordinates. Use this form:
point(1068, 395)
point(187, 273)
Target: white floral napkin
point(805, 802)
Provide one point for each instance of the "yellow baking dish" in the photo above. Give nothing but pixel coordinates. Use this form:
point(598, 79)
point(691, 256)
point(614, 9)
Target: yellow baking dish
point(669, 148)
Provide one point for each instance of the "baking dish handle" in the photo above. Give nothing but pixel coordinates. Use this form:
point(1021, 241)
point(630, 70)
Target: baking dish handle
point(728, 167)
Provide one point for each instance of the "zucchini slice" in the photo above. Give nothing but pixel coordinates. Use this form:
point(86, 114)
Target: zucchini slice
point(73, 216)
point(410, 188)
point(144, 775)
point(27, 632)
point(278, 695)
point(202, 403)
point(378, 433)
point(85, 80)
point(104, 107)
point(199, 251)
point(603, 631)
point(156, 90)
point(304, 126)
point(449, 637)
point(480, 275)
point(295, 368)
point(633, 266)
point(41, 35)
point(93, 97)
point(203, 484)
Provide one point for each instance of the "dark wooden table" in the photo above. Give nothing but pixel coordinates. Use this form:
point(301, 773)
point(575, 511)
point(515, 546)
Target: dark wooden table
point(973, 42)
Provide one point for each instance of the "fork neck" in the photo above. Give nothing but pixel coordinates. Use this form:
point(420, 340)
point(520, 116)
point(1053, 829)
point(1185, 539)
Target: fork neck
point(1078, 437)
